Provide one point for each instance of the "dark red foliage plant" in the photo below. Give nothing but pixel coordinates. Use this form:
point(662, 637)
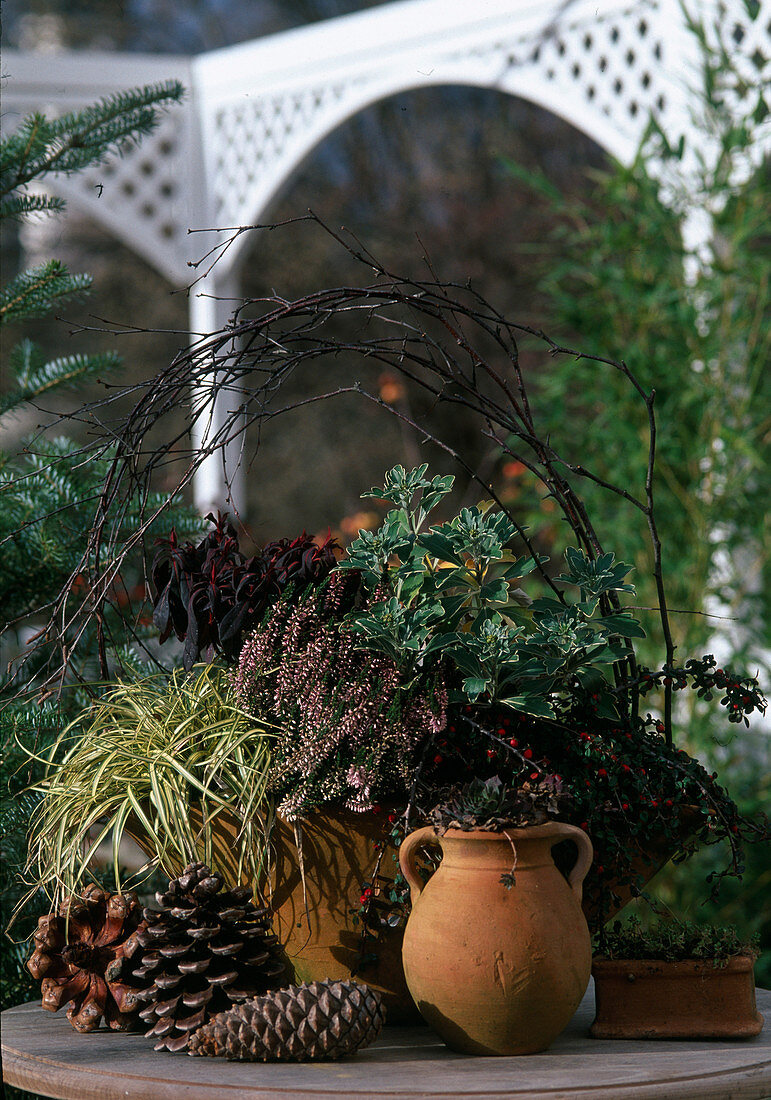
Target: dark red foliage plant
point(210, 595)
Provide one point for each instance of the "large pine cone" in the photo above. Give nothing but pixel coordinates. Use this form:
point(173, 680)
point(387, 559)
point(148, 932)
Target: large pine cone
point(79, 957)
point(206, 949)
point(314, 1020)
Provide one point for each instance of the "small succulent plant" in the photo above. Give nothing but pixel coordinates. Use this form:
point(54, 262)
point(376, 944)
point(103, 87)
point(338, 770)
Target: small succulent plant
point(493, 805)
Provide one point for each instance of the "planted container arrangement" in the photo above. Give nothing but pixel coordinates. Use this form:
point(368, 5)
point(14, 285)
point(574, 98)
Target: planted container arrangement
point(675, 980)
point(497, 950)
point(330, 702)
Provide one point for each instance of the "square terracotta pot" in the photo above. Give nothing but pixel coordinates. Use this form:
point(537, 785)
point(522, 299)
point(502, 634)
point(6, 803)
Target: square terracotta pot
point(693, 999)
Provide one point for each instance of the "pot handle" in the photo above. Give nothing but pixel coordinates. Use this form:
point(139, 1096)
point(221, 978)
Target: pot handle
point(419, 839)
point(560, 830)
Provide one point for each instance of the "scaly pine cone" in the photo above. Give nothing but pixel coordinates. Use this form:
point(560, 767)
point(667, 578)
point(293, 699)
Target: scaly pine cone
point(79, 955)
point(206, 949)
point(314, 1020)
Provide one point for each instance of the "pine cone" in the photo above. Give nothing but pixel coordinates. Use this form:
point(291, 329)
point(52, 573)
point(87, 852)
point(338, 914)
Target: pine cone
point(79, 955)
point(203, 951)
point(302, 1022)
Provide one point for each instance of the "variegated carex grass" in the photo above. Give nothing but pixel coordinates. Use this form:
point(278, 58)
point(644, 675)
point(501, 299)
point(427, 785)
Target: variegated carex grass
point(143, 756)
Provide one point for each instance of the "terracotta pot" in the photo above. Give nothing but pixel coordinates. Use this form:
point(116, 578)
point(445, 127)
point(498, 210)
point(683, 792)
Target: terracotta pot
point(693, 999)
point(496, 970)
point(314, 919)
point(316, 924)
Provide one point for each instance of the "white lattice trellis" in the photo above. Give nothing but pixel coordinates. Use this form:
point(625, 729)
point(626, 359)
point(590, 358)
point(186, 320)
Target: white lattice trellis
point(256, 110)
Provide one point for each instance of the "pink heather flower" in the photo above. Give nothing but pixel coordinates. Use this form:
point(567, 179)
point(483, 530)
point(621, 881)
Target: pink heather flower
point(348, 730)
point(357, 778)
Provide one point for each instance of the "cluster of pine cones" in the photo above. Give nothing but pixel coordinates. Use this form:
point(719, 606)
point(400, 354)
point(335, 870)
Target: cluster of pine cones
point(201, 971)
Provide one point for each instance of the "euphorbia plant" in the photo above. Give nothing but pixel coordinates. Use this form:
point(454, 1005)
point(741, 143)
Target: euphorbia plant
point(540, 686)
point(451, 590)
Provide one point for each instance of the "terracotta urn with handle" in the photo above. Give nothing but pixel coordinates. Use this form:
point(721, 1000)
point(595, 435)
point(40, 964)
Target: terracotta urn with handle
point(497, 969)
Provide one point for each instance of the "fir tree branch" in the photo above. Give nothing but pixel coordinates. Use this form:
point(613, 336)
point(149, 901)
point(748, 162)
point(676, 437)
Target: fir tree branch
point(34, 293)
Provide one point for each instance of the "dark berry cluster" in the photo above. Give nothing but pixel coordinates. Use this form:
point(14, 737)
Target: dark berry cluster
point(741, 696)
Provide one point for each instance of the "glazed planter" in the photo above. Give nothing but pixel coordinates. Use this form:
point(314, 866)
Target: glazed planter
point(692, 999)
point(314, 908)
point(497, 971)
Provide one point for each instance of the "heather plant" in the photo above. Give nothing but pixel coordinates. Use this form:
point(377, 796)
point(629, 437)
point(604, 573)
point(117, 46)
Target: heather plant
point(352, 727)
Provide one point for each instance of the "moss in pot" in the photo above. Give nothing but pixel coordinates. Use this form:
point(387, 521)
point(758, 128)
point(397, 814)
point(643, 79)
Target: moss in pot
point(676, 980)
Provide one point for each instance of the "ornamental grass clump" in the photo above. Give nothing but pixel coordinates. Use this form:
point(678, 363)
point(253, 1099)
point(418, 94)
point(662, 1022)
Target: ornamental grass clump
point(162, 755)
point(351, 725)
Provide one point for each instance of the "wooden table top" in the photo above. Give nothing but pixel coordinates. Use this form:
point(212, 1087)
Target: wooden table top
point(42, 1053)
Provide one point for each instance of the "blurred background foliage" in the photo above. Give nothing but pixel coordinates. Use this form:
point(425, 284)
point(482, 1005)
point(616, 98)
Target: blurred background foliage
point(498, 191)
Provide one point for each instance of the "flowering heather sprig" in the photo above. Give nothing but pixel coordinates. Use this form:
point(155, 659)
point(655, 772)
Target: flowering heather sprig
point(351, 731)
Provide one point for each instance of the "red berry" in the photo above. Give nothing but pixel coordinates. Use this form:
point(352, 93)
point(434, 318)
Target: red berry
point(513, 742)
point(491, 753)
point(528, 754)
point(624, 805)
point(438, 758)
point(602, 773)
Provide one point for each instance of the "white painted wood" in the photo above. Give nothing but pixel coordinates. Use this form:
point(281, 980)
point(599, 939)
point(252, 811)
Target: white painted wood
point(150, 196)
point(256, 110)
point(220, 480)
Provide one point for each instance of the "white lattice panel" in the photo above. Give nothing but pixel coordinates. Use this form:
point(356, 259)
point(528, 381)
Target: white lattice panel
point(150, 194)
point(256, 110)
point(255, 136)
